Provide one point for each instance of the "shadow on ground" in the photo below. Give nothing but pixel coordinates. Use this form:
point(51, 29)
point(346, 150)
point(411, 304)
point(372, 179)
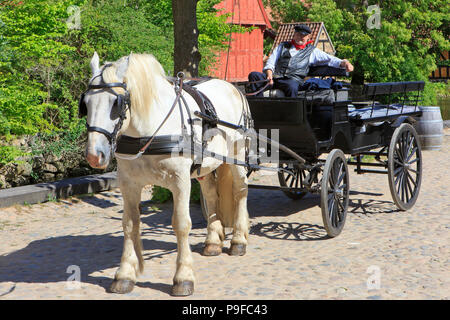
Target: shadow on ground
point(48, 260)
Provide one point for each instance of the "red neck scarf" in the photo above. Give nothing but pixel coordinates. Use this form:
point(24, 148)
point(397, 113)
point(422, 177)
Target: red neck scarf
point(300, 46)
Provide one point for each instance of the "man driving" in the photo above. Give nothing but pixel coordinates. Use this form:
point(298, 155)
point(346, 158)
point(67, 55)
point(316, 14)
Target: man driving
point(289, 64)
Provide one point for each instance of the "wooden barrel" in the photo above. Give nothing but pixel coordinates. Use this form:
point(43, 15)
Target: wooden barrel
point(430, 128)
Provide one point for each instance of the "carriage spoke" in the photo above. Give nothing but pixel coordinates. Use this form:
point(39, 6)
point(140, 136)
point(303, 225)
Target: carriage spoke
point(332, 213)
point(397, 179)
point(399, 149)
point(399, 153)
point(331, 210)
point(341, 175)
point(400, 182)
point(408, 145)
point(412, 170)
point(413, 161)
point(397, 171)
point(403, 188)
point(411, 178)
point(288, 176)
point(409, 187)
point(296, 180)
point(341, 204)
point(292, 182)
point(398, 162)
point(335, 215)
point(413, 152)
point(405, 145)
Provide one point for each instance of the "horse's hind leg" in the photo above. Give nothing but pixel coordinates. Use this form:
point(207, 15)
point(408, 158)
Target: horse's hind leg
point(132, 262)
point(216, 235)
point(183, 281)
point(241, 219)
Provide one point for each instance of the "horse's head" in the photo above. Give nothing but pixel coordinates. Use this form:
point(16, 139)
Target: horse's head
point(106, 104)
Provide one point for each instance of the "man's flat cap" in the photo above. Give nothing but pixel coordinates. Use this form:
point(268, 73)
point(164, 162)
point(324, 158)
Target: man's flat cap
point(303, 28)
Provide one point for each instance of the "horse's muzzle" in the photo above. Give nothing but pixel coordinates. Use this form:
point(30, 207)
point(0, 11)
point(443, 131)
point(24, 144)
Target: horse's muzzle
point(97, 158)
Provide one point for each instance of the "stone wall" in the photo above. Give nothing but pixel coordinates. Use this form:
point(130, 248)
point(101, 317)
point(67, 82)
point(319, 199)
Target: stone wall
point(45, 166)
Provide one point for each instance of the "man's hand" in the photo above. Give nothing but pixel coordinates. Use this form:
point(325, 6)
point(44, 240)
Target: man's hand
point(347, 65)
point(269, 74)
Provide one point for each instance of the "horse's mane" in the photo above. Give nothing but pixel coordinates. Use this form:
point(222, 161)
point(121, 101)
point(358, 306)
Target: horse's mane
point(145, 81)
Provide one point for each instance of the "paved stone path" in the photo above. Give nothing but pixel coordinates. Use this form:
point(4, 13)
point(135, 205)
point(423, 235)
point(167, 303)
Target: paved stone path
point(382, 253)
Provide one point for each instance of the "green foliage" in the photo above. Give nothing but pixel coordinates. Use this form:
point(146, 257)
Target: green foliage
point(161, 195)
point(116, 28)
point(9, 154)
point(58, 143)
point(30, 55)
point(286, 11)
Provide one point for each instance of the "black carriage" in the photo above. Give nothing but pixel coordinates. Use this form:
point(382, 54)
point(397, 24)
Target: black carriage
point(327, 121)
point(376, 134)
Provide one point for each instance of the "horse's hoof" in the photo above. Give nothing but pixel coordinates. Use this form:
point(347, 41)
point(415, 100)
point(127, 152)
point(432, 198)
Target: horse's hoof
point(122, 286)
point(237, 249)
point(184, 288)
point(212, 250)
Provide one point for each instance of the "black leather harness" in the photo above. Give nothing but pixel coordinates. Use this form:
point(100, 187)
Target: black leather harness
point(174, 143)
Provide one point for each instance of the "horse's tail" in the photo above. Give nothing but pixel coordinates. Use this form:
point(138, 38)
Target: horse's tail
point(226, 205)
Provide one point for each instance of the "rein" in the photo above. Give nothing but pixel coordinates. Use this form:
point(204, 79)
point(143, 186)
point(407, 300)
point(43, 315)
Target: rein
point(260, 90)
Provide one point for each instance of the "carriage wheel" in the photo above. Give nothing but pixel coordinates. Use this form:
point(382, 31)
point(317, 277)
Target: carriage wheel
point(294, 180)
point(335, 191)
point(405, 166)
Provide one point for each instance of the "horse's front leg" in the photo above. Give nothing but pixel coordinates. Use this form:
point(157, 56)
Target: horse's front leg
point(132, 262)
point(216, 234)
point(183, 281)
point(241, 219)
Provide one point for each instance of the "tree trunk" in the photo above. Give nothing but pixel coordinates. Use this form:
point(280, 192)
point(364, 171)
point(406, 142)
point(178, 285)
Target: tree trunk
point(186, 55)
point(358, 74)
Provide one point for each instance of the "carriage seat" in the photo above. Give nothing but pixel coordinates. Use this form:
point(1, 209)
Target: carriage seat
point(321, 96)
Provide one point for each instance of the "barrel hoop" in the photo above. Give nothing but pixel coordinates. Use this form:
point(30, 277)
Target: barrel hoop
point(426, 121)
point(430, 135)
point(430, 108)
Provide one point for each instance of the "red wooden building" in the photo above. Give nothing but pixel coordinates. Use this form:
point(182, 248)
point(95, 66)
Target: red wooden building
point(246, 51)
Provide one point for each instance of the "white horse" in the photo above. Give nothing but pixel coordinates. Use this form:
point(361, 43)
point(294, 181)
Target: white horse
point(151, 96)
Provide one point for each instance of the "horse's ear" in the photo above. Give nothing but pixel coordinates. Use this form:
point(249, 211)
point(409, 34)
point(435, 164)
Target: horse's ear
point(122, 69)
point(95, 63)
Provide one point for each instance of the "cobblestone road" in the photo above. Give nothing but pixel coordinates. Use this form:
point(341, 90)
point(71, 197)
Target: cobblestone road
point(382, 253)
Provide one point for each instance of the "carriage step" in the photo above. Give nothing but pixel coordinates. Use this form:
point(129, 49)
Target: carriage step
point(369, 164)
point(267, 187)
point(361, 171)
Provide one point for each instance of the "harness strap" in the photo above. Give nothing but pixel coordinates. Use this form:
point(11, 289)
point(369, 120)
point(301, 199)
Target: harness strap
point(177, 99)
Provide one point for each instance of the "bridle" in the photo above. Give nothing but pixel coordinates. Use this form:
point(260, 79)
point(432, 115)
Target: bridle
point(122, 104)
